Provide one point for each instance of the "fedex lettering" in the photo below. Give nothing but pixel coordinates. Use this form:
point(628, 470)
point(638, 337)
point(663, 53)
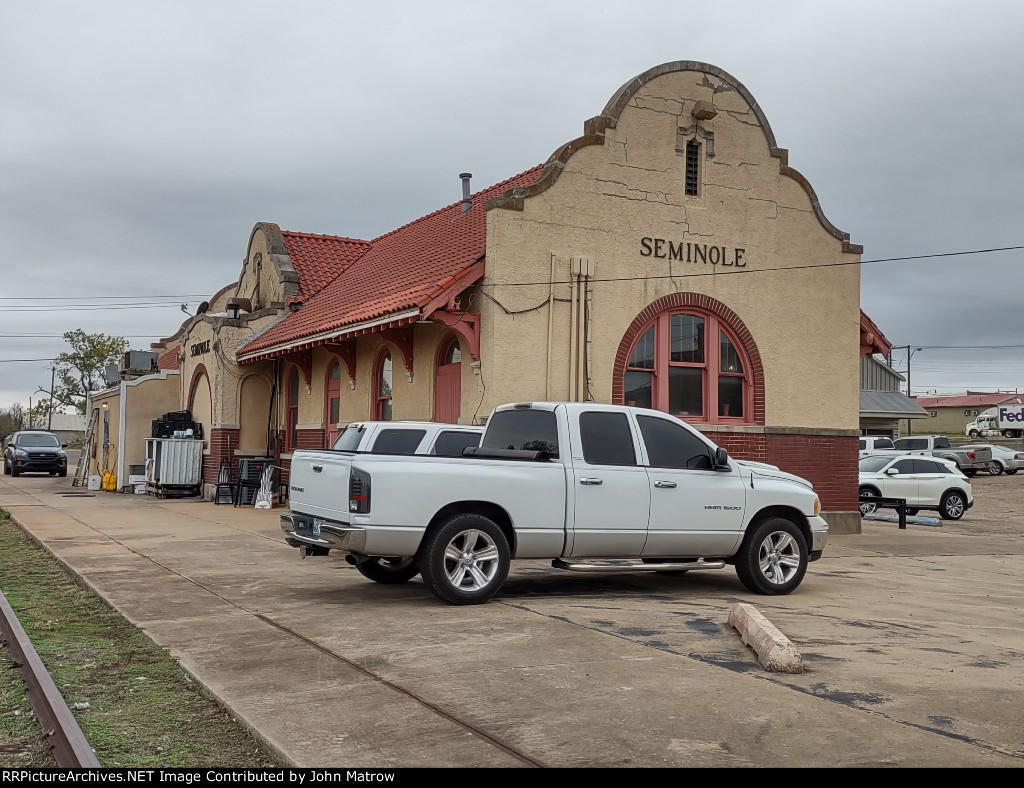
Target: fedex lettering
point(1005, 414)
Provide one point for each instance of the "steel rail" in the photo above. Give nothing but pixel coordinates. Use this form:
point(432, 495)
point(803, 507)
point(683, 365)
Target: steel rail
point(60, 728)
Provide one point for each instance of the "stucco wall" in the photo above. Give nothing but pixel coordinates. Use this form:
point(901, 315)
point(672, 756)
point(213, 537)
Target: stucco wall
point(144, 400)
point(610, 196)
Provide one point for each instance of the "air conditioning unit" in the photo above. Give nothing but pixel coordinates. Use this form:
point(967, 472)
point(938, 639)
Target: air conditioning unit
point(139, 362)
point(111, 375)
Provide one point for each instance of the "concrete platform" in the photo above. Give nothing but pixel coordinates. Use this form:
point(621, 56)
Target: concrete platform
point(911, 645)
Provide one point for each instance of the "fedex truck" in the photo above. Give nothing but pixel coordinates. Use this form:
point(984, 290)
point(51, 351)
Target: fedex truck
point(1005, 420)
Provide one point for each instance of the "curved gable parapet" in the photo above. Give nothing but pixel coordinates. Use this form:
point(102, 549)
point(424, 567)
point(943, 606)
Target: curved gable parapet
point(593, 134)
point(277, 251)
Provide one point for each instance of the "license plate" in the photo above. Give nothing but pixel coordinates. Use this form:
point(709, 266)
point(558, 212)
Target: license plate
point(315, 528)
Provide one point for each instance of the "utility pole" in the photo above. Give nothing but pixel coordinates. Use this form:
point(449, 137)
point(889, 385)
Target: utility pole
point(49, 415)
point(911, 350)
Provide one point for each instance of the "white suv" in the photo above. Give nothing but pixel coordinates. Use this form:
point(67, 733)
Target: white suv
point(925, 483)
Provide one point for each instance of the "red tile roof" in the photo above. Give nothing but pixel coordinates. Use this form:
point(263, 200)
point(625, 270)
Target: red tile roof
point(319, 259)
point(402, 270)
point(872, 340)
point(967, 400)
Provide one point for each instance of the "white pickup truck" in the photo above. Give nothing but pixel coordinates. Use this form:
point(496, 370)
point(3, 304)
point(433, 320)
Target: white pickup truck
point(408, 437)
point(595, 488)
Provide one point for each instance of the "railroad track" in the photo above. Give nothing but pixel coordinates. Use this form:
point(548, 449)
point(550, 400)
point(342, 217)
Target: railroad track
point(60, 728)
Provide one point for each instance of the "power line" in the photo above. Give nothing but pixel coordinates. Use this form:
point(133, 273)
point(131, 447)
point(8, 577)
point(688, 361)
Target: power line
point(78, 298)
point(717, 270)
point(732, 271)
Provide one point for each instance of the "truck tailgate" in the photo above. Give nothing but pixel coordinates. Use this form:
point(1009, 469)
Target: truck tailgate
point(318, 484)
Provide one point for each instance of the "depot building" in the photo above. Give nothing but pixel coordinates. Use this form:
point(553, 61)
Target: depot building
point(668, 258)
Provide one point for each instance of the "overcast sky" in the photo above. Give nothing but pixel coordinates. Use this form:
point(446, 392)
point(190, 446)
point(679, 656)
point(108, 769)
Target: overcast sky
point(141, 141)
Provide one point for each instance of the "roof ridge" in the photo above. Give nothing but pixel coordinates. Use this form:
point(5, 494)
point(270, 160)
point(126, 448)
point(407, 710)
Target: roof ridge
point(451, 205)
point(300, 234)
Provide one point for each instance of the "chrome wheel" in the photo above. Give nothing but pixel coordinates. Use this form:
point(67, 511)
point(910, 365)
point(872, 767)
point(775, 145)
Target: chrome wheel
point(471, 560)
point(866, 507)
point(773, 557)
point(953, 506)
point(779, 557)
point(465, 559)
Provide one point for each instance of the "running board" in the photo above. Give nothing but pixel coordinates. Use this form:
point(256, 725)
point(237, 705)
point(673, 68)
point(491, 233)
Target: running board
point(672, 566)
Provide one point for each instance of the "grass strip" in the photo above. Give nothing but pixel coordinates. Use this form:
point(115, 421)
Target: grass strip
point(134, 703)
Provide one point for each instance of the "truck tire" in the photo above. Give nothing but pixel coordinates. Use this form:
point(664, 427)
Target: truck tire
point(953, 505)
point(389, 571)
point(974, 434)
point(773, 557)
point(465, 560)
point(970, 472)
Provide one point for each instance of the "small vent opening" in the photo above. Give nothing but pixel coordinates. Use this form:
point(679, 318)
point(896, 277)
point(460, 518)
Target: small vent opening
point(692, 168)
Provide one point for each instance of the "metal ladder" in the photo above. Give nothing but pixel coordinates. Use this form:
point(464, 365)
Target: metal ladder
point(83, 459)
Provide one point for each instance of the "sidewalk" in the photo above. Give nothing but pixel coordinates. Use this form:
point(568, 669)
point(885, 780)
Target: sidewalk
point(911, 641)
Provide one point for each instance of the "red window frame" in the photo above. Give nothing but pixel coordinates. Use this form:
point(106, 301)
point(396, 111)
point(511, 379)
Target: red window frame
point(710, 366)
point(332, 393)
point(382, 401)
point(291, 411)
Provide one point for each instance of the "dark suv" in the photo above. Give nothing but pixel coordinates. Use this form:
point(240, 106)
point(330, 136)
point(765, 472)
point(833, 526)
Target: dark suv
point(35, 452)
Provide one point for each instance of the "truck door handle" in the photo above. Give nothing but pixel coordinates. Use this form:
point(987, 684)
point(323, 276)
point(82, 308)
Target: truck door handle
point(317, 468)
point(665, 484)
point(589, 480)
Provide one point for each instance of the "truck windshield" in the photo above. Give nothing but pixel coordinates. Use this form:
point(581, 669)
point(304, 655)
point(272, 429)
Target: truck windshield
point(529, 430)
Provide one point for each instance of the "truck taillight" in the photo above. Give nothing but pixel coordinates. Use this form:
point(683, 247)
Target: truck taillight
point(971, 455)
point(359, 492)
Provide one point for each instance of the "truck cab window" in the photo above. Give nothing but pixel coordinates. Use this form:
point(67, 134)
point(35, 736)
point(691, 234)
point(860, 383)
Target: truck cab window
point(606, 439)
point(672, 446)
point(398, 441)
point(529, 430)
point(450, 443)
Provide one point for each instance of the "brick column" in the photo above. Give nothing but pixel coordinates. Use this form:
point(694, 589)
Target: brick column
point(223, 442)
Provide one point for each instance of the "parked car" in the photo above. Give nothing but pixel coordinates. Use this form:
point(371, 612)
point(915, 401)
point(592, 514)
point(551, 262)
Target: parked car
point(925, 483)
point(35, 452)
point(1004, 460)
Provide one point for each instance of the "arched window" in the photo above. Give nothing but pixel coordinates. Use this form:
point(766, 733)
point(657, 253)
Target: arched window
point(333, 403)
point(688, 362)
point(292, 416)
point(382, 388)
point(448, 382)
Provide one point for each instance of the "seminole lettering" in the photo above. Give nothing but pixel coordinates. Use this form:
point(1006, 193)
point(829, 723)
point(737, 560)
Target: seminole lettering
point(689, 252)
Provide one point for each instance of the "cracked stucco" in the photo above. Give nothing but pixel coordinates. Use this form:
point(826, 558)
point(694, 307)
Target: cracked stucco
point(608, 196)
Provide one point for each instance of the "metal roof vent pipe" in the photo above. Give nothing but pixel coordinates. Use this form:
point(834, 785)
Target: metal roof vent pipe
point(466, 202)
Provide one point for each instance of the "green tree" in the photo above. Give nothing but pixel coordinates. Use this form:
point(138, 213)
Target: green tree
point(80, 371)
point(11, 419)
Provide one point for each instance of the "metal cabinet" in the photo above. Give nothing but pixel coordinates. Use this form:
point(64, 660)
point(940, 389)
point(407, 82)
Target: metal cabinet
point(173, 466)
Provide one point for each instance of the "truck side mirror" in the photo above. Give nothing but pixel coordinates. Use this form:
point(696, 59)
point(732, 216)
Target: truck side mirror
point(721, 459)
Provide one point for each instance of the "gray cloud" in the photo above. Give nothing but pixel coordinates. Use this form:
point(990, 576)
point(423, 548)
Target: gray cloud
point(141, 142)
